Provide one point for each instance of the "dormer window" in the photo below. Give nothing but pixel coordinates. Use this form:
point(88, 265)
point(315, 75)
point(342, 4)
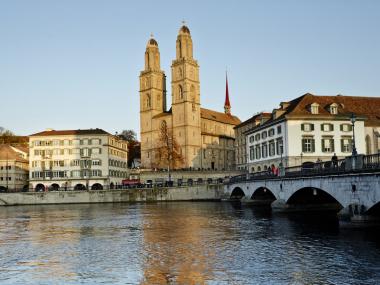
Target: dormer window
point(314, 108)
point(334, 109)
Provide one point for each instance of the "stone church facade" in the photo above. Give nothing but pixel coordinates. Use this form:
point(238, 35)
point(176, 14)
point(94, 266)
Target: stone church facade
point(205, 137)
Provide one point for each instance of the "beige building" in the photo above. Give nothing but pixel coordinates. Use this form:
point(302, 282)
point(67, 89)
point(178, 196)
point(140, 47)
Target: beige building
point(77, 159)
point(205, 137)
point(14, 167)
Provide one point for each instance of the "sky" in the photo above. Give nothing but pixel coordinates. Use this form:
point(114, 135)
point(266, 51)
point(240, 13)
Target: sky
point(74, 64)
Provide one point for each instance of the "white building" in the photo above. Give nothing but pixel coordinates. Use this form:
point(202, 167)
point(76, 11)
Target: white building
point(311, 128)
point(14, 167)
point(77, 159)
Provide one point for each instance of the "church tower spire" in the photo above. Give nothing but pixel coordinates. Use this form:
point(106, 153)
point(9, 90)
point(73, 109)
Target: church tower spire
point(186, 106)
point(227, 105)
point(152, 99)
point(184, 44)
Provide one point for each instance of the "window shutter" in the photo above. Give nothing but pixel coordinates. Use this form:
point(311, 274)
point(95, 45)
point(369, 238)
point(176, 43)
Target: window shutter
point(332, 145)
point(322, 127)
point(312, 127)
point(331, 127)
point(302, 127)
point(323, 145)
point(303, 145)
point(342, 145)
point(312, 145)
point(350, 128)
point(341, 128)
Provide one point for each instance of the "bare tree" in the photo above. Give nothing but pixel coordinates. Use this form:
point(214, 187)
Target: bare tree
point(129, 135)
point(134, 147)
point(169, 152)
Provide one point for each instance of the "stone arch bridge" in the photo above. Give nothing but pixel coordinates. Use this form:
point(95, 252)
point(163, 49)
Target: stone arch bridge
point(355, 195)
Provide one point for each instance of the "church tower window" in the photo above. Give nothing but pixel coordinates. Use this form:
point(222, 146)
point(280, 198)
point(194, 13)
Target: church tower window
point(148, 101)
point(180, 92)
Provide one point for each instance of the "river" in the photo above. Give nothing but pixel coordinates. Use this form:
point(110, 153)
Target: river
point(180, 243)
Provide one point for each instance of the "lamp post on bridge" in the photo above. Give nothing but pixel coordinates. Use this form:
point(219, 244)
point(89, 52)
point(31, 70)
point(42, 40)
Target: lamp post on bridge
point(353, 120)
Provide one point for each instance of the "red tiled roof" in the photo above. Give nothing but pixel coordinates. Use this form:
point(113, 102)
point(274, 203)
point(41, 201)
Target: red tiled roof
point(368, 107)
point(71, 132)
point(219, 117)
point(7, 153)
point(253, 118)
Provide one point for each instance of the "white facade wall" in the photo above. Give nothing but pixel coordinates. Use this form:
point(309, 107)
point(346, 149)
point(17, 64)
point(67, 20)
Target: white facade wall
point(295, 135)
point(292, 135)
point(372, 140)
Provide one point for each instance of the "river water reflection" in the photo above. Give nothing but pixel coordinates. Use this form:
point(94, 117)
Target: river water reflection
point(179, 243)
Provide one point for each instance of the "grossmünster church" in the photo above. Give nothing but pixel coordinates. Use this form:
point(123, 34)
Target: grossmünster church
point(205, 137)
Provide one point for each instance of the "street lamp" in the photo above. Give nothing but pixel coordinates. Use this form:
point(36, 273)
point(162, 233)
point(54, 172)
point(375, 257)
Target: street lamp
point(353, 120)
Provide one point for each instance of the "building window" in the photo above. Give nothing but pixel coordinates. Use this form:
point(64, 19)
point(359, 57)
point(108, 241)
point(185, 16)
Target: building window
point(307, 127)
point(75, 173)
point(327, 127)
point(204, 153)
point(264, 135)
point(308, 144)
point(346, 127)
point(346, 144)
point(180, 92)
point(251, 139)
point(327, 144)
point(279, 147)
point(314, 108)
point(264, 150)
point(271, 132)
point(272, 149)
point(279, 130)
point(257, 137)
point(333, 109)
point(251, 153)
point(257, 152)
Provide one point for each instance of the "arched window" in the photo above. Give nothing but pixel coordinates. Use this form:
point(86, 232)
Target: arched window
point(180, 92)
point(148, 101)
point(179, 73)
point(192, 95)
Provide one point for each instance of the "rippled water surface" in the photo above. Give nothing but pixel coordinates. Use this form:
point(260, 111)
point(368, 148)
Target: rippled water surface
point(180, 243)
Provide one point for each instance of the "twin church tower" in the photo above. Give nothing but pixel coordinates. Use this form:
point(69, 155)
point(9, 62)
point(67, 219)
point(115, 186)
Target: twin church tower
point(205, 137)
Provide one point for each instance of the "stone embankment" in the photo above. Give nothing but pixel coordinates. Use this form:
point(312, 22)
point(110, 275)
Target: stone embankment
point(206, 192)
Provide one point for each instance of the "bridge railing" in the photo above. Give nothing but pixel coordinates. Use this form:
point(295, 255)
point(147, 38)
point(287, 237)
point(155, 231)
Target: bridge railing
point(367, 162)
point(371, 161)
point(318, 168)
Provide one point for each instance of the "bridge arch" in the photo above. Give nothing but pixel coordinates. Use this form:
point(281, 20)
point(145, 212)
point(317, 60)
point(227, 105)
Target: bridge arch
point(374, 210)
point(237, 193)
point(312, 196)
point(263, 194)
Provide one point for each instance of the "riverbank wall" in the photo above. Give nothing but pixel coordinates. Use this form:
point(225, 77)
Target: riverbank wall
point(206, 192)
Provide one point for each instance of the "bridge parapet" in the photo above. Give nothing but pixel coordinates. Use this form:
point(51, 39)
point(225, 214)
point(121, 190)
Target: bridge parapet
point(348, 165)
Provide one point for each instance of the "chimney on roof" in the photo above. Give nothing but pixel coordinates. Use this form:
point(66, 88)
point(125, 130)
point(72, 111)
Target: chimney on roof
point(284, 105)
